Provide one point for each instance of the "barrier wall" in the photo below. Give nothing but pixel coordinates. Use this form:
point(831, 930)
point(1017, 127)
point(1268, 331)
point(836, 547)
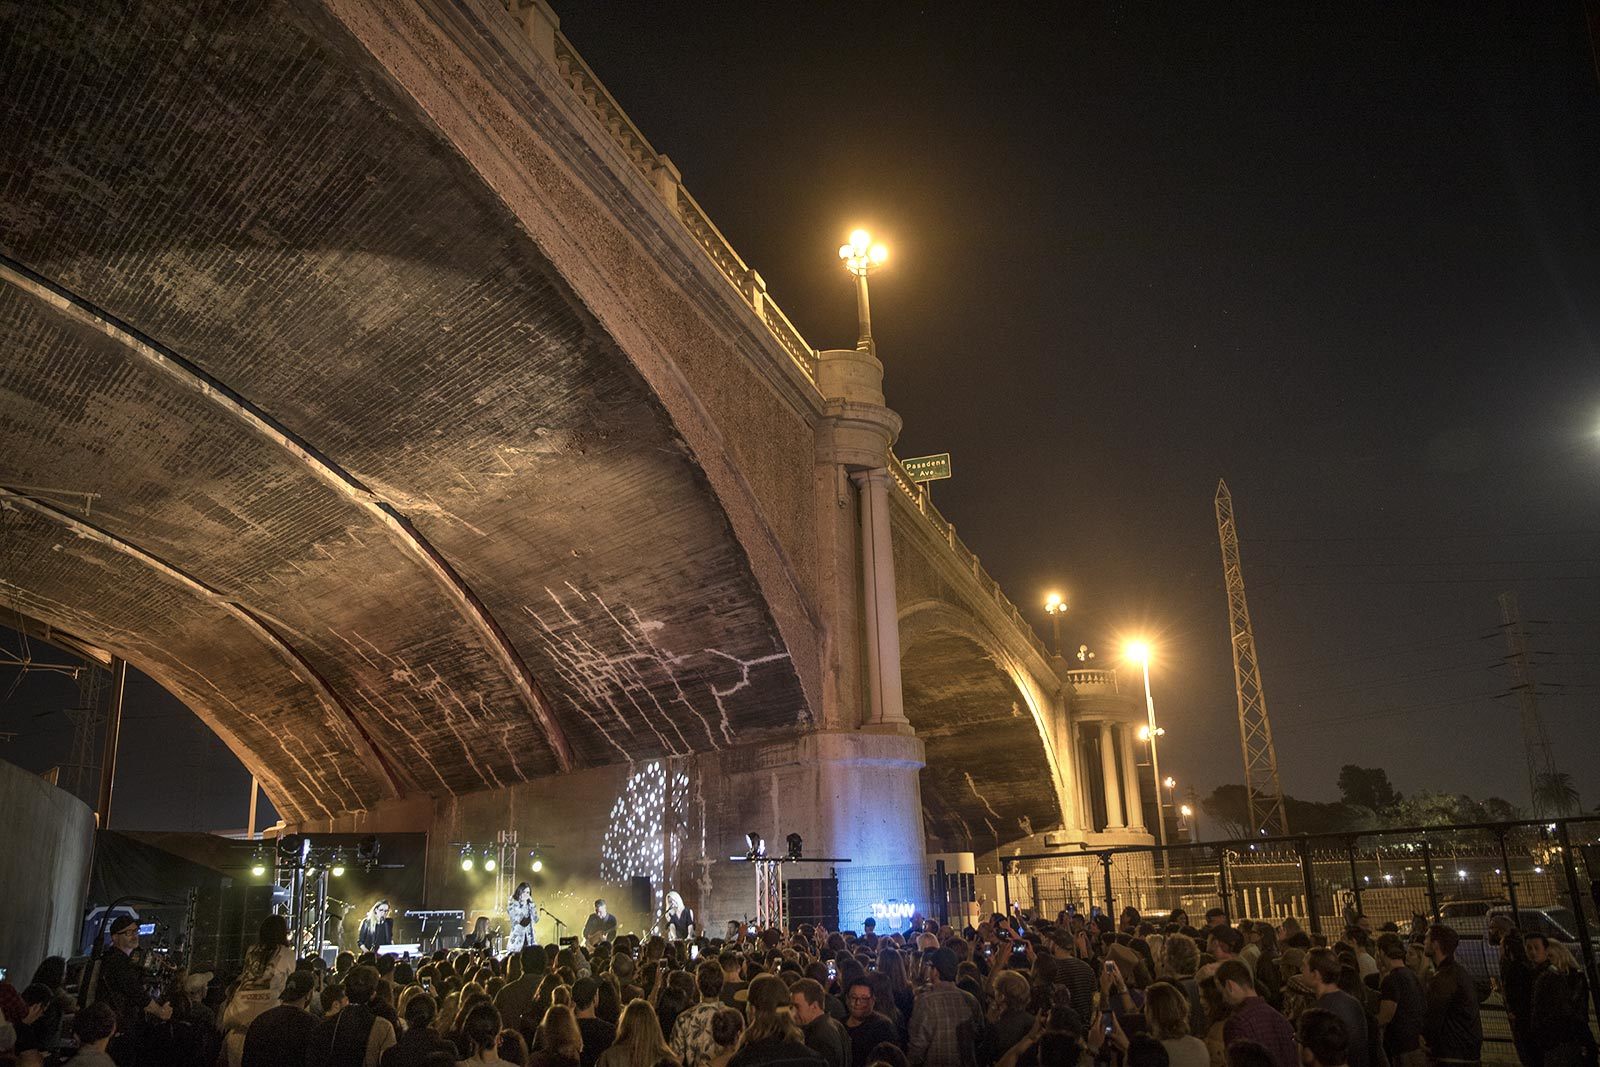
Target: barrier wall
point(46, 845)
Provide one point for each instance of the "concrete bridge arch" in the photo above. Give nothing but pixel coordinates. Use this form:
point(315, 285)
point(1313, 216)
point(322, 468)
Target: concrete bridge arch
point(989, 725)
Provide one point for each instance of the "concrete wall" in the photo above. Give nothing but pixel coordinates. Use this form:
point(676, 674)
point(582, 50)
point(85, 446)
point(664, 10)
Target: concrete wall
point(46, 845)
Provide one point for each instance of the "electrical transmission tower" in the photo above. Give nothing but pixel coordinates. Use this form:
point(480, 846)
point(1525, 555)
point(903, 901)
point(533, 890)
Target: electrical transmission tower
point(1263, 790)
point(1541, 762)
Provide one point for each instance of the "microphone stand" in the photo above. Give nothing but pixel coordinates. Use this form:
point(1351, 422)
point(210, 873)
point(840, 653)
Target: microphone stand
point(559, 924)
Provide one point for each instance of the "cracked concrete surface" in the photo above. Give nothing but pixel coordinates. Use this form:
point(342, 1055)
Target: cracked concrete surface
point(343, 389)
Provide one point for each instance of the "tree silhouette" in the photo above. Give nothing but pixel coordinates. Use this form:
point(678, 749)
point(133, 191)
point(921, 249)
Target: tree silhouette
point(1554, 793)
point(1367, 787)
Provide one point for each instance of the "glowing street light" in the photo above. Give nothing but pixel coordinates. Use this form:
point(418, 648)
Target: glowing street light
point(861, 256)
point(1055, 606)
point(1139, 652)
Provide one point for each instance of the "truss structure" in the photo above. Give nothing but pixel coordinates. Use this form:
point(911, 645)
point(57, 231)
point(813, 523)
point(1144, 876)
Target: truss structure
point(1262, 786)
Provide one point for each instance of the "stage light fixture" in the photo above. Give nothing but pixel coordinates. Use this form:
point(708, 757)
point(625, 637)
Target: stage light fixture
point(538, 861)
point(794, 846)
point(367, 851)
point(337, 870)
point(758, 847)
point(467, 862)
point(489, 862)
point(258, 868)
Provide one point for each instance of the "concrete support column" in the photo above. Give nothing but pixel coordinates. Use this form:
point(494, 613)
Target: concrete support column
point(1084, 781)
point(880, 611)
point(1130, 778)
point(1108, 774)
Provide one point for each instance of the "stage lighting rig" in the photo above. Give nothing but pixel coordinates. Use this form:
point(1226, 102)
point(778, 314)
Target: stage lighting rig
point(758, 847)
point(794, 846)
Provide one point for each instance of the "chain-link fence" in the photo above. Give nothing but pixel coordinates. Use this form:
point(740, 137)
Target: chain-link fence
point(1543, 877)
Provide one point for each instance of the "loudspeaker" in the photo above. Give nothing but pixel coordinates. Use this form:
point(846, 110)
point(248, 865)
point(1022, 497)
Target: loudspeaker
point(639, 895)
point(813, 900)
point(226, 922)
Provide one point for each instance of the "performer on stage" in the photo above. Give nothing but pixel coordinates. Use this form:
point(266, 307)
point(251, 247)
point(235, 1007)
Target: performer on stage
point(680, 920)
point(482, 937)
point(521, 911)
point(600, 926)
point(377, 928)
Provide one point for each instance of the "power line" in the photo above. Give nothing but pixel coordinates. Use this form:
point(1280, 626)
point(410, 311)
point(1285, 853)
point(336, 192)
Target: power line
point(1501, 580)
point(1384, 713)
point(1410, 538)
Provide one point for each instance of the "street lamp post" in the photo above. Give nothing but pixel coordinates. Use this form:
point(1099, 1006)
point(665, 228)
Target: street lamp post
point(861, 256)
point(1055, 606)
point(1141, 652)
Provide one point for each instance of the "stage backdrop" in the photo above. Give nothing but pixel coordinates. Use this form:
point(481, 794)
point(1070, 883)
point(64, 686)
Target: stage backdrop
point(46, 841)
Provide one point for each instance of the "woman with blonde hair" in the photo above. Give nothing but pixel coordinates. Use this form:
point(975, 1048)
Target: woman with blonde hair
point(1560, 1025)
point(639, 1042)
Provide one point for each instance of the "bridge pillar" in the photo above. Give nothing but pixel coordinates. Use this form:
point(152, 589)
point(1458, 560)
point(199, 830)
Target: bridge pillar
point(880, 610)
point(1108, 775)
point(853, 442)
point(1130, 777)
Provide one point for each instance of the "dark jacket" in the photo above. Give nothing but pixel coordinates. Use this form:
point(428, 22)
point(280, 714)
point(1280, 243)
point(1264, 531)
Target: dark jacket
point(278, 1035)
point(341, 1041)
point(414, 1047)
point(122, 987)
point(776, 1052)
point(1450, 1023)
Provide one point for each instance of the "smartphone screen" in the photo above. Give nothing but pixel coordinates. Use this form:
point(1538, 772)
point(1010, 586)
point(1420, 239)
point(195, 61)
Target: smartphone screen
point(1019, 948)
point(1105, 1021)
point(833, 970)
point(694, 952)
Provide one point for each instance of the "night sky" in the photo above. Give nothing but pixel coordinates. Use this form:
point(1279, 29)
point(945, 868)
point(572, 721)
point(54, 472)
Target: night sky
point(1347, 257)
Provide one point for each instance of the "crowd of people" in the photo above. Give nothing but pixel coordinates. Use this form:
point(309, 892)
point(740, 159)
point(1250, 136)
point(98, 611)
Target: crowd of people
point(1014, 991)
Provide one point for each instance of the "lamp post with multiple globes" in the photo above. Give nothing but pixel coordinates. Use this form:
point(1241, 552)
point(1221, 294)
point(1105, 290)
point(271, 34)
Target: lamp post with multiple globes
point(862, 255)
point(1055, 606)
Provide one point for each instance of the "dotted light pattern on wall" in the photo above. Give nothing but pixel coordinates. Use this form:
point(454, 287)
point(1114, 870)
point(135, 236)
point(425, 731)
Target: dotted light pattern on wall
point(645, 833)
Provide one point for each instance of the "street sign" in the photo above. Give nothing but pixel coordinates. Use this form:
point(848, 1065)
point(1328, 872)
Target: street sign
point(928, 468)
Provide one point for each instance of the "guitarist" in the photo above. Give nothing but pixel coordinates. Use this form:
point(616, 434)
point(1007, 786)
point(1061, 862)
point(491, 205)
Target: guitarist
point(600, 926)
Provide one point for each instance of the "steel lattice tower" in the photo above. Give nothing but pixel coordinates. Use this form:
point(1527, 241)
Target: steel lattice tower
point(1535, 742)
point(1264, 791)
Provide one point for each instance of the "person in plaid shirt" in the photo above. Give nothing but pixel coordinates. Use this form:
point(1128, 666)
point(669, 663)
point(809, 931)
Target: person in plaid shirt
point(691, 1040)
point(946, 1022)
point(1253, 1019)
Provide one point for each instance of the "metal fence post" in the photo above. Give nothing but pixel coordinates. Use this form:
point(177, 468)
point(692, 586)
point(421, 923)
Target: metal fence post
point(1105, 861)
point(1307, 877)
point(943, 887)
point(1433, 888)
point(1223, 889)
point(1511, 882)
point(1584, 940)
point(1355, 879)
point(1005, 881)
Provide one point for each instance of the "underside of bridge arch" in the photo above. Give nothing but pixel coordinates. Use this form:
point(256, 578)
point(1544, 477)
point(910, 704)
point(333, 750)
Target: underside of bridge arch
point(296, 418)
point(987, 781)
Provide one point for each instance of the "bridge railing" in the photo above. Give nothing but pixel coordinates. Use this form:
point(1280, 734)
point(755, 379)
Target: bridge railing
point(1094, 676)
point(751, 288)
point(745, 281)
point(918, 494)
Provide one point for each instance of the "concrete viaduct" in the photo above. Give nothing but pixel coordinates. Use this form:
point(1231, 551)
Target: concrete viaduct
point(371, 383)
